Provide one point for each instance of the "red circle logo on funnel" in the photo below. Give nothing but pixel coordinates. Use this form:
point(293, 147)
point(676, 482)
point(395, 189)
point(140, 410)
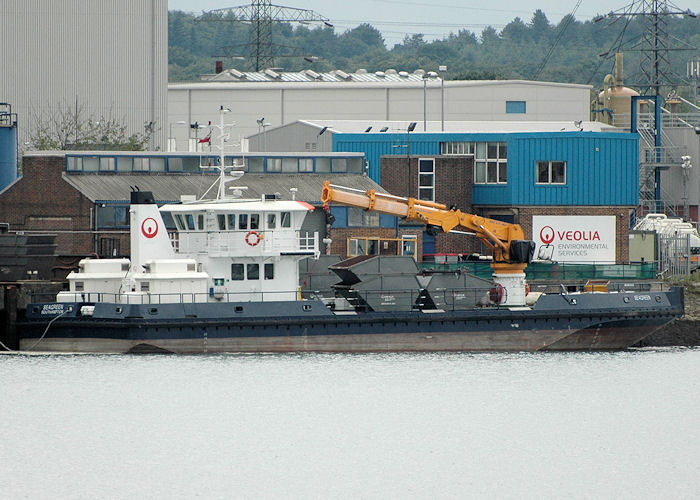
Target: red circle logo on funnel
point(149, 227)
point(547, 235)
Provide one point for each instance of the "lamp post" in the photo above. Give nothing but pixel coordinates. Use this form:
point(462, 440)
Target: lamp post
point(425, 102)
point(443, 72)
point(171, 140)
point(264, 127)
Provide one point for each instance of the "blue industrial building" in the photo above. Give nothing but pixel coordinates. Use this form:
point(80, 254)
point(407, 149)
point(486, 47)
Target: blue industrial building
point(8, 145)
point(601, 168)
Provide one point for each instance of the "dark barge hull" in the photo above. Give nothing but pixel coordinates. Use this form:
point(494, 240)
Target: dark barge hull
point(556, 322)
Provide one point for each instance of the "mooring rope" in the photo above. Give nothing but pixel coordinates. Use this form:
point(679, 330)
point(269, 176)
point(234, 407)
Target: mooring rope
point(42, 335)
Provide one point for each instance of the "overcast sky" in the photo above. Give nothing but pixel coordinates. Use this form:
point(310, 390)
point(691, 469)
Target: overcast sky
point(433, 18)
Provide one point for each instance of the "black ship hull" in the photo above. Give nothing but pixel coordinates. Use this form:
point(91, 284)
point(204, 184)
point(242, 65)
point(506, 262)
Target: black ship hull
point(564, 322)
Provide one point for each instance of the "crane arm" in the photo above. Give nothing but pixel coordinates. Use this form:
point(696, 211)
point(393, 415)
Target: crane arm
point(507, 240)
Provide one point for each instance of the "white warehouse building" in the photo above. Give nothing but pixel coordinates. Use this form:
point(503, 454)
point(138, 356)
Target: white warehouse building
point(270, 98)
point(110, 57)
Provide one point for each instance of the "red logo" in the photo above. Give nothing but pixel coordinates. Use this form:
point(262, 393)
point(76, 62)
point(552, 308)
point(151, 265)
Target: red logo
point(149, 227)
point(547, 235)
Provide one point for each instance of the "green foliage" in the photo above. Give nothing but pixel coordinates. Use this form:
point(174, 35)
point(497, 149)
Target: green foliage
point(69, 128)
point(516, 52)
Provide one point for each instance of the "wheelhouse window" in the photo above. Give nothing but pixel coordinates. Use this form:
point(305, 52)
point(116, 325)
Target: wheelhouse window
point(551, 172)
point(271, 221)
point(426, 179)
point(491, 163)
point(286, 219)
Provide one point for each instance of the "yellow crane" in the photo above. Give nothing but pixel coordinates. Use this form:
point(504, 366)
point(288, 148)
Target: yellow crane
point(510, 250)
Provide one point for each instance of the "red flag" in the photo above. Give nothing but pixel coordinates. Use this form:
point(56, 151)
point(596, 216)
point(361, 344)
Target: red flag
point(205, 139)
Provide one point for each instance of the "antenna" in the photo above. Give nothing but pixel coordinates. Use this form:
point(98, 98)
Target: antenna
point(236, 170)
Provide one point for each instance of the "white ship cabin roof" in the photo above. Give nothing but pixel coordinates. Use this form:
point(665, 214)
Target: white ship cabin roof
point(243, 206)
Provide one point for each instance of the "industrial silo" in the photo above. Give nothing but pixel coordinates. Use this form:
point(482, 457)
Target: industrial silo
point(8, 145)
point(614, 103)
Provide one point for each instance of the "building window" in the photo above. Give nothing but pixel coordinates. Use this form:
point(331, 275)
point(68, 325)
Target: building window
point(363, 247)
point(426, 179)
point(274, 164)
point(516, 107)
point(111, 216)
point(323, 165)
point(358, 217)
point(107, 164)
point(256, 164)
point(551, 172)
point(491, 163)
point(355, 165)
point(306, 165)
point(290, 165)
point(457, 148)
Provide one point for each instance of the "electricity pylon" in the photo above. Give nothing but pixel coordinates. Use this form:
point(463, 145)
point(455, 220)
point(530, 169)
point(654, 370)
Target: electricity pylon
point(654, 43)
point(261, 15)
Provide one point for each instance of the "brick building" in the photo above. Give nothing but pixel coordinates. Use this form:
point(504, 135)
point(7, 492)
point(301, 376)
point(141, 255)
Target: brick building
point(83, 197)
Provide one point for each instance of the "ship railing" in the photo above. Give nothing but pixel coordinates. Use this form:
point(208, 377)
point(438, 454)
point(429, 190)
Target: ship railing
point(364, 300)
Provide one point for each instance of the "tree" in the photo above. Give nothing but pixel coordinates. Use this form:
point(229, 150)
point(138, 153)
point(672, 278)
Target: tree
point(540, 27)
point(70, 127)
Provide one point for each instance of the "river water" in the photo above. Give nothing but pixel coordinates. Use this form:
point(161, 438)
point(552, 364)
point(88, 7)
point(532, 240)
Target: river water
point(576, 425)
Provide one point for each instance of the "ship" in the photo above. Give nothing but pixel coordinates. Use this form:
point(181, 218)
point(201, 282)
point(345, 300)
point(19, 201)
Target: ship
point(228, 281)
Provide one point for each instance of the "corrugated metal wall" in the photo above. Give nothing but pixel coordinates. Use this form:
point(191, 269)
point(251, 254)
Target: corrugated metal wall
point(602, 168)
point(282, 103)
point(111, 55)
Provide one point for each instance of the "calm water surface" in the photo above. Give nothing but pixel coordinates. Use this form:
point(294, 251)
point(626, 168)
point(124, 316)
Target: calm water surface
point(603, 425)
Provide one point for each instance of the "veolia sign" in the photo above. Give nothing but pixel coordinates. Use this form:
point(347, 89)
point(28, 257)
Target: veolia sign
point(574, 238)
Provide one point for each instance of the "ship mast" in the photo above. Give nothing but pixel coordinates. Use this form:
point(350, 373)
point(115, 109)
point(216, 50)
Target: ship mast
point(235, 170)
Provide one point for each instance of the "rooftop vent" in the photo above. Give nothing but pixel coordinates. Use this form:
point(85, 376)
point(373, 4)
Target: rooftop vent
point(403, 74)
point(272, 74)
point(361, 71)
point(236, 73)
point(342, 74)
point(380, 74)
point(391, 71)
point(312, 74)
